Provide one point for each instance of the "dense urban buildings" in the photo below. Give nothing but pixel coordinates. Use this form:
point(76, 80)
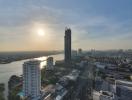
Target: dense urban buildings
point(32, 79)
point(66, 50)
point(67, 40)
point(82, 75)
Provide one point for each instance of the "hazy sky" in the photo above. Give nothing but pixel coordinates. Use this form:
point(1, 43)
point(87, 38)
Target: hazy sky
point(98, 24)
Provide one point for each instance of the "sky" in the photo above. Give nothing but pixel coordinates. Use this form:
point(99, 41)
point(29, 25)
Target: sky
point(95, 24)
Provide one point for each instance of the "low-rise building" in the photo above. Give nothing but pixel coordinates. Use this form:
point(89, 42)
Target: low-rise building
point(103, 95)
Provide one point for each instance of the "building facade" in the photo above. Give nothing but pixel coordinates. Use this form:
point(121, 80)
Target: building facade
point(67, 44)
point(50, 63)
point(32, 79)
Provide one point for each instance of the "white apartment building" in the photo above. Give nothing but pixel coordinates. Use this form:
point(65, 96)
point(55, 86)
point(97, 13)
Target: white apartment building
point(32, 79)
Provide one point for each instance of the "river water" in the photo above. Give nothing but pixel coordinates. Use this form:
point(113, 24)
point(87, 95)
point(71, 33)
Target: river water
point(15, 68)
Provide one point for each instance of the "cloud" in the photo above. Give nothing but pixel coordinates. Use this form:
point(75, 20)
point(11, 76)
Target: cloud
point(88, 28)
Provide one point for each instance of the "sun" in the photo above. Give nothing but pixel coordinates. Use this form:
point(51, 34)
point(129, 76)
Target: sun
point(40, 32)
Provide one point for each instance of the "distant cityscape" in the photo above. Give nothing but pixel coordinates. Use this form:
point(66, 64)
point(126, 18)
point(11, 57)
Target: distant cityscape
point(80, 75)
point(65, 49)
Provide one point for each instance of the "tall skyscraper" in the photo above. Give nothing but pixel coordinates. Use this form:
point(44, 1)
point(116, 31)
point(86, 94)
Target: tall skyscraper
point(32, 79)
point(67, 45)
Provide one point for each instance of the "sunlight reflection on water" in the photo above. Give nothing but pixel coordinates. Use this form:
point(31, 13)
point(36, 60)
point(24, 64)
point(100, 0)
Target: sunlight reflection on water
point(43, 63)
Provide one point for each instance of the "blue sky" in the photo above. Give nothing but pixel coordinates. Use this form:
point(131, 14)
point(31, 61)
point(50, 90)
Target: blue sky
point(95, 24)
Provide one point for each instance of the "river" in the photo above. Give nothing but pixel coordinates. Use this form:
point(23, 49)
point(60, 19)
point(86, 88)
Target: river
point(15, 68)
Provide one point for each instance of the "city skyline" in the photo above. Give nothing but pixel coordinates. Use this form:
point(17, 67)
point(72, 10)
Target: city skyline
point(39, 25)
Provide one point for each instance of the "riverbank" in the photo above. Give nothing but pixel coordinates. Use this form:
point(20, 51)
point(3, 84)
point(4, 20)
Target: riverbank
point(6, 58)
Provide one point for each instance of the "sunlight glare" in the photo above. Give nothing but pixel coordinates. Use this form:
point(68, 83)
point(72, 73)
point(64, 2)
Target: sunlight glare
point(41, 32)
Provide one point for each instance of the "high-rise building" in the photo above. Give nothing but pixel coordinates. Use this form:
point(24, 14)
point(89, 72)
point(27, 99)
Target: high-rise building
point(50, 63)
point(67, 45)
point(32, 79)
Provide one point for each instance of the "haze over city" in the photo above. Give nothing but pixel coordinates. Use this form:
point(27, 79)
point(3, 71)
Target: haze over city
point(33, 25)
point(65, 50)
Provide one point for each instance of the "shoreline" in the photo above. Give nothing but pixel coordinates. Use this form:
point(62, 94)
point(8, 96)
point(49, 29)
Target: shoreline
point(20, 59)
